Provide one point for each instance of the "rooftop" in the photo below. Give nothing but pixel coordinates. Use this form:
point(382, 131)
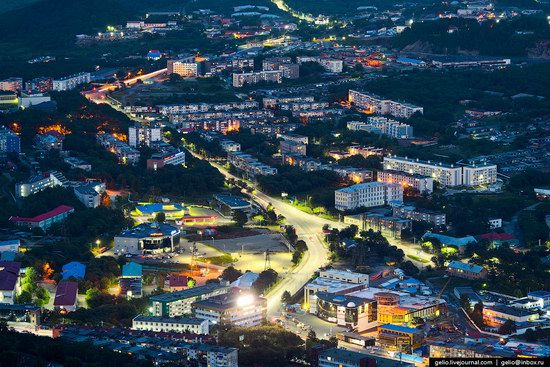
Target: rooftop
point(188, 293)
point(398, 328)
point(74, 269)
point(448, 240)
point(150, 230)
point(232, 201)
point(465, 267)
point(62, 209)
point(66, 293)
point(170, 320)
point(132, 269)
point(9, 272)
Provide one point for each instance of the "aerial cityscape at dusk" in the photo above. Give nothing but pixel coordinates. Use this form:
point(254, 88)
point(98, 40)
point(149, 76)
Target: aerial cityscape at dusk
point(270, 183)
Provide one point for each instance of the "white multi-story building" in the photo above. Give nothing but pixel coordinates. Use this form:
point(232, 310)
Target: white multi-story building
point(71, 82)
point(418, 182)
point(293, 147)
point(272, 102)
point(176, 304)
point(295, 137)
point(184, 68)
point(332, 66)
point(345, 276)
point(140, 134)
point(333, 281)
point(479, 174)
point(230, 145)
point(367, 195)
point(375, 104)
point(39, 183)
point(445, 174)
point(250, 165)
point(242, 79)
point(171, 324)
point(125, 153)
point(234, 309)
point(89, 193)
point(383, 126)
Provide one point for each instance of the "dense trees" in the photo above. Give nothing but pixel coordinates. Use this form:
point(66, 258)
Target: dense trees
point(319, 185)
point(231, 274)
point(26, 349)
point(266, 279)
point(488, 38)
point(268, 346)
point(239, 217)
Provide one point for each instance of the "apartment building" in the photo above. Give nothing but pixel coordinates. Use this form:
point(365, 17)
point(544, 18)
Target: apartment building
point(249, 164)
point(230, 145)
point(374, 104)
point(445, 174)
point(125, 153)
point(11, 84)
point(251, 78)
point(367, 195)
point(171, 324)
point(205, 107)
point(467, 271)
point(9, 141)
point(142, 134)
point(364, 151)
point(184, 69)
point(295, 137)
point(392, 226)
point(275, 102)
point(39, 183)
point(41, 84)
point(293, 147)
point(71, 82)
point(383, 126)
point(330, 65)
point(304, 163)
point(176, 304)
point(419, 215)
point(89, 193)
point(479, 174)
point(243, 310)
point(421, 183)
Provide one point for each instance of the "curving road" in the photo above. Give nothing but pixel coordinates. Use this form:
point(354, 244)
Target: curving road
point(308, 228)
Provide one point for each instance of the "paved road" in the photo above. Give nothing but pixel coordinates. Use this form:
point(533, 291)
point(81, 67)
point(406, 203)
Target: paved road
point(308, 228)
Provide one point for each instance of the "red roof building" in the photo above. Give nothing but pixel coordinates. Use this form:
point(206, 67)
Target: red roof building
point(498, 238)
point(66, 296)
point(45, 220)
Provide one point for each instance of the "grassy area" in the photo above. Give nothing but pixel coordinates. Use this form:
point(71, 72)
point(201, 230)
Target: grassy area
point(225, 259)
point(307, 209)
point(416, 258)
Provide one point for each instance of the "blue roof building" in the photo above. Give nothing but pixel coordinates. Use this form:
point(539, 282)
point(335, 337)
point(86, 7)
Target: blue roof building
point(74, 269)
point(457, 242)
point(132, 270)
